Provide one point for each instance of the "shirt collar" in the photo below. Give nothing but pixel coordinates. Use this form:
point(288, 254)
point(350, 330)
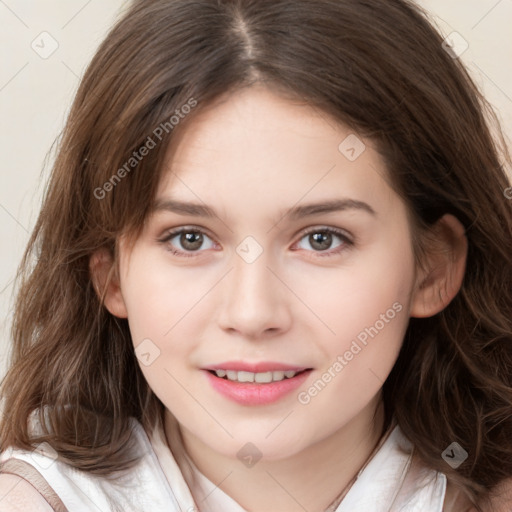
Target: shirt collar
point(384, 484)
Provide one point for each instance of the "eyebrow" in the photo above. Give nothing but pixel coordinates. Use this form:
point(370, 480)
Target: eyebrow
point(295, 213)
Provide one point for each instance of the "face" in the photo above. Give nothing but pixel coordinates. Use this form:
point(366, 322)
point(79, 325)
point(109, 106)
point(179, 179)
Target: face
point(267, 283)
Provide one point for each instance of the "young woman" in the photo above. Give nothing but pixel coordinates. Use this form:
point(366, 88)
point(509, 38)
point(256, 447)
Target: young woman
point(272, 272)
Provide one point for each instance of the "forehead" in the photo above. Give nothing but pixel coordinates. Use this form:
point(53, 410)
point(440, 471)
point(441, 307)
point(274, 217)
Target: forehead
point(264, 150)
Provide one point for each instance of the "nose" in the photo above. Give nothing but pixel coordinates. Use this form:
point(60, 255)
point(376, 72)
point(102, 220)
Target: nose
point(255, 302)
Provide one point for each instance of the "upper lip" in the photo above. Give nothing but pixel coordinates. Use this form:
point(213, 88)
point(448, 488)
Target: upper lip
point(261, 367)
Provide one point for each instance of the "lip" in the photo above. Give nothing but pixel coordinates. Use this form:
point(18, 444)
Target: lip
point(249, 393)
point(261, 367)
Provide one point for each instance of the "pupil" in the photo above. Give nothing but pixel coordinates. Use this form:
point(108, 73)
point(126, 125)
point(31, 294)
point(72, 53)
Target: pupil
point(321, 240)
point(191, 240)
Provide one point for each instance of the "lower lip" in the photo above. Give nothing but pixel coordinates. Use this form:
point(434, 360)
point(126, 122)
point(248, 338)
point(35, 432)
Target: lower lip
point(249, 393)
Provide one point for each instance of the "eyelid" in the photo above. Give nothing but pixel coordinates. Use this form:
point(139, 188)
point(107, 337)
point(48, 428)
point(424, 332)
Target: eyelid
point(172, 232)
point(320, 228)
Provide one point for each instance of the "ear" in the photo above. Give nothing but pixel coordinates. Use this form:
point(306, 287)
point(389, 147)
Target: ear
point(105, 278)
point(437, 285)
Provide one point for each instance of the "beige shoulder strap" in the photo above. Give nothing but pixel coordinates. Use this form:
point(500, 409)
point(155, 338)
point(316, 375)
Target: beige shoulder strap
point(33, 477)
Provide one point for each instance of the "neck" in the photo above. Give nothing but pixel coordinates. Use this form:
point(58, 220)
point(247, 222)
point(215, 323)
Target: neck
point(309, 480)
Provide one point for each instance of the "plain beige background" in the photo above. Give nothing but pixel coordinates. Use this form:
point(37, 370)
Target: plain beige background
point(36, 90)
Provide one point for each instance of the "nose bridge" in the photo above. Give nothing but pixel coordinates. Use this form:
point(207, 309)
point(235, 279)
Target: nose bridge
point(253, 301)
point(251, 277)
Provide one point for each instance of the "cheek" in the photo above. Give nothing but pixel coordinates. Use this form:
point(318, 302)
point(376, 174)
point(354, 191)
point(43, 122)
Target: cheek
point(160, 297)
point(367, 311)
point(163, 304)
point(365, 303)
point(160, 302)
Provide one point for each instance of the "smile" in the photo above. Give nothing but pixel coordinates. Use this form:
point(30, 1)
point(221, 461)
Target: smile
point(256, 388)
point(260, 378)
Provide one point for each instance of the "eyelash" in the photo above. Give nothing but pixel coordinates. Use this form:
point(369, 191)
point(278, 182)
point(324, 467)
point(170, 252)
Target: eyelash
point(347, 242)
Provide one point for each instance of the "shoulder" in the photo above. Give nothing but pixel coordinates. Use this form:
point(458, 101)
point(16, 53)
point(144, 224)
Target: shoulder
point(17, 495)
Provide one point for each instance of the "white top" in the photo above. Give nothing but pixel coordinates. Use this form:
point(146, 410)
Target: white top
point(392, 481)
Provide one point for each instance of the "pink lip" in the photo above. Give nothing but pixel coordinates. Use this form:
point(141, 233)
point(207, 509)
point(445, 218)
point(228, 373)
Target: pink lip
point(250, 393)
point(266, 366)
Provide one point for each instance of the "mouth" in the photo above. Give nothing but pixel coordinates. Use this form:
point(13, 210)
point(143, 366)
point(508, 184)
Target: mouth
point(257, 378)
point(258, 384)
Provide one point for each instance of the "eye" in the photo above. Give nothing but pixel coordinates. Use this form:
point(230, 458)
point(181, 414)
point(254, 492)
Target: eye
point(190, 239)
point(320, 239)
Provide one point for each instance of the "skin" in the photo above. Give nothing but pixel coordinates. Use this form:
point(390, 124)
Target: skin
point(251, 158)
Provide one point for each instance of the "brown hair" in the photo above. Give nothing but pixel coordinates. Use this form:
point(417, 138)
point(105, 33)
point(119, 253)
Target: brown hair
point(378, 67)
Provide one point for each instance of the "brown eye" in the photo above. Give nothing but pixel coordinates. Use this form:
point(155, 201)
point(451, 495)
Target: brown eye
point(320, 240)
point(191, 241)
point(185, 240)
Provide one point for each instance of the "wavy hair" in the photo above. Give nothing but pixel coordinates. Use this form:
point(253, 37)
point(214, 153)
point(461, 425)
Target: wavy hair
point(377, 67)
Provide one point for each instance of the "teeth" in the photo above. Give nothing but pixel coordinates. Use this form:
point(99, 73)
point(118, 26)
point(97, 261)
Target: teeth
point(246, 377)
point(277, 375)
point(261, 378)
